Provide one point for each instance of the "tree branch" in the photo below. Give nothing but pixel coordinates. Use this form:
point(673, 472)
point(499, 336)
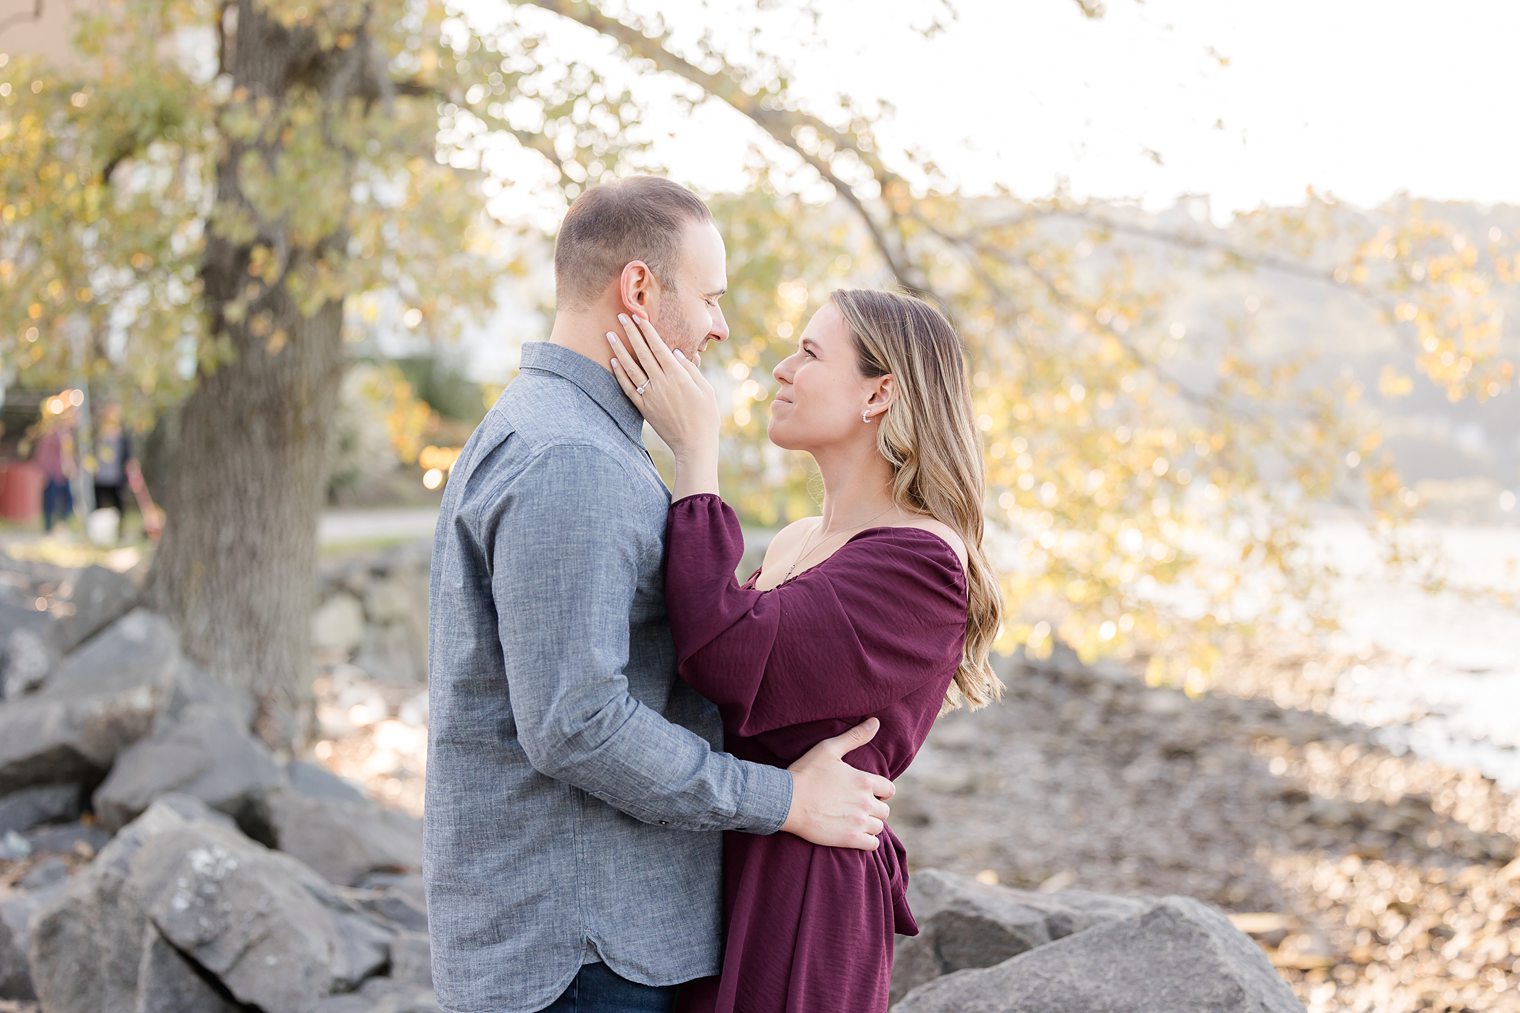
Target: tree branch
point(1204, 244)
point(223, 39)
point(23, 17)
point(528, 139)
point(782, 124)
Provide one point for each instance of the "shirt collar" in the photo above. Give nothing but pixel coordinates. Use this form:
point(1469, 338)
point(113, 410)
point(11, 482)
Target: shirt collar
point(599, 384)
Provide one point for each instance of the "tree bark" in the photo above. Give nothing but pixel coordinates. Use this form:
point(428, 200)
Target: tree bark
point(236, 568)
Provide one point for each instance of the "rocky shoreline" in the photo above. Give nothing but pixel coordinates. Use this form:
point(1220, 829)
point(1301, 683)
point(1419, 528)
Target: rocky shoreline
point(156, 857)
point(1372, 881)
point(1376, 882)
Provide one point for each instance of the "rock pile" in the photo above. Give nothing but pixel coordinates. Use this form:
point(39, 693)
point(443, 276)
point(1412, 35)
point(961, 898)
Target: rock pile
point(374, 614)
point(155, 857)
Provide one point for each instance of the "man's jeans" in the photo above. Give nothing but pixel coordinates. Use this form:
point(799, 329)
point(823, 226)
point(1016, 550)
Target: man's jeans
point(597, 989)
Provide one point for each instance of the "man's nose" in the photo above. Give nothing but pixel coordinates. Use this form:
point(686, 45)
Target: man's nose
point(719, 330)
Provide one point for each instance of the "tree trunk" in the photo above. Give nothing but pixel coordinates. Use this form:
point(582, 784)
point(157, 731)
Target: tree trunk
point(236, 568)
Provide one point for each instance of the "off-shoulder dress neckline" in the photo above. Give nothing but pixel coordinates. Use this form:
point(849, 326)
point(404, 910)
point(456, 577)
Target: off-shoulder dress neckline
point(959, 569)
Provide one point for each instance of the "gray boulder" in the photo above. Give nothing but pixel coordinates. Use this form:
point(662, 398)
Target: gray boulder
point(98, 596)
point(398, 597)
point(399, 899)
point(197, 688)
point(28, 649)
point(18, 909)
point(44, 877)
point(81, 604)
point(13, 846)
point(337, 628)
point(254, 926)
point(99, 914)
point(316, 782)
point(394, 653)
point(74, 838)
point(1178, 955)
point(344, 841)
point(204, 754)
point(168, 983)
point(272, 931)
point(967, 924)
point(383, 995)
point(412, 959)
point(99, 700)
point(26, 808)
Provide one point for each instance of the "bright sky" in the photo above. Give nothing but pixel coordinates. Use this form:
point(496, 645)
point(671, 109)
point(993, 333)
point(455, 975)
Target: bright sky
point(1361, 98)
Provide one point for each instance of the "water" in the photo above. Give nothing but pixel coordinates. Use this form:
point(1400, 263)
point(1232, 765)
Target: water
point(1456, 699)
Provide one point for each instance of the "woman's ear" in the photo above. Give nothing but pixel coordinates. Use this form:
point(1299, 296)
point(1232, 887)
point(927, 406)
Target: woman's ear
point(884, 395)
point(635, 288)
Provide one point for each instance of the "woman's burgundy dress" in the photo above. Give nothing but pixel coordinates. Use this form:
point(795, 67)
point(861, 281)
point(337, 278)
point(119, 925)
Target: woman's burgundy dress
point(875, 629)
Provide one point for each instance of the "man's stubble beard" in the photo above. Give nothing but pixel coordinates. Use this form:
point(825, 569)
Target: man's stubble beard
point(673, 327)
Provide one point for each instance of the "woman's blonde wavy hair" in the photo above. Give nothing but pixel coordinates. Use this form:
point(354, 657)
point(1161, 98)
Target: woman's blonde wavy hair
point(930, 437)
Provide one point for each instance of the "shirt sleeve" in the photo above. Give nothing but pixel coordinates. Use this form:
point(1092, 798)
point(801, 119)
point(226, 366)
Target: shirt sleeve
point(885, 617)
point(564, 573)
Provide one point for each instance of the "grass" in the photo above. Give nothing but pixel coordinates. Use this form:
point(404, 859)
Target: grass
point(74, 555)
point(330, 550)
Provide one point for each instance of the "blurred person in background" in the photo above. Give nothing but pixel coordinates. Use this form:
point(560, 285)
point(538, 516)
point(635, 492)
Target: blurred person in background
point(114, 463)
point(54, 455)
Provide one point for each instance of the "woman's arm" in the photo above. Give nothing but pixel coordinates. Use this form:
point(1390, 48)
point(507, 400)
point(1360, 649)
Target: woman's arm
point(884, 616)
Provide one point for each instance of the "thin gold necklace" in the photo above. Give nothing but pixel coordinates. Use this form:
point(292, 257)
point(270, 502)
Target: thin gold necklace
point(805, 550)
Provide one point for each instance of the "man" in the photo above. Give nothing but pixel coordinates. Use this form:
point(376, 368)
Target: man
point(574, 787)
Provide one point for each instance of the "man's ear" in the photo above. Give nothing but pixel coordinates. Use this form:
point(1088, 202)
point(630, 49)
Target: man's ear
point(636, 286)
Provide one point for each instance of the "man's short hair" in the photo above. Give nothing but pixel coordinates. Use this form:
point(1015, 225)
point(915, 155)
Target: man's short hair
point(638, 218)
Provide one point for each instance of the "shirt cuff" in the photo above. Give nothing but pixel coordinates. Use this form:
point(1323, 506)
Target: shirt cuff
point(767, 799)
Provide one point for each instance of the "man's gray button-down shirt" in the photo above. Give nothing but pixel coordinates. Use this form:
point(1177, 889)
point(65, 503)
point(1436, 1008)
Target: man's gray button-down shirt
point(574, 785)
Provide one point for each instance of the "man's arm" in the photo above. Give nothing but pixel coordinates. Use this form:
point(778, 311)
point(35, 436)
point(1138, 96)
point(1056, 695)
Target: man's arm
point(564, 572)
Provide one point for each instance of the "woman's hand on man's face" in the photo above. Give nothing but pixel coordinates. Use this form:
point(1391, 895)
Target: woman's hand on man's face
point(667, 388)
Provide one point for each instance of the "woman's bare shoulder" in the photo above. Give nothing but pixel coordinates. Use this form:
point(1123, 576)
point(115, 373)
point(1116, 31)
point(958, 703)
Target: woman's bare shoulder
point(938, 527)
point(791, 535)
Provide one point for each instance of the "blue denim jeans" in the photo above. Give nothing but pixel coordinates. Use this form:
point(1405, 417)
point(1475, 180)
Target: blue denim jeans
point(57, 502)
point(598, 989)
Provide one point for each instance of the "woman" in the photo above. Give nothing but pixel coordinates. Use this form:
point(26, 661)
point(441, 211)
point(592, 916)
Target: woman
point(885, 605)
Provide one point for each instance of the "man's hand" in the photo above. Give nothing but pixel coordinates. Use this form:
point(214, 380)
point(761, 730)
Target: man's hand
point(833, 804)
